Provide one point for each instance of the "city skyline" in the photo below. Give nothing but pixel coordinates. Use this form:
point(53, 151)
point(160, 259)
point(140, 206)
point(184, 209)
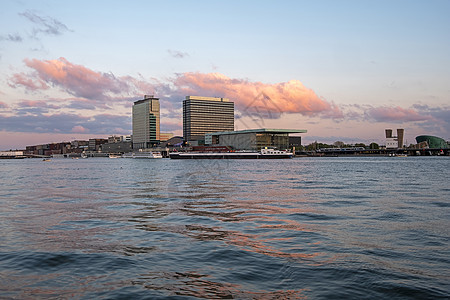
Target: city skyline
point(344, 71)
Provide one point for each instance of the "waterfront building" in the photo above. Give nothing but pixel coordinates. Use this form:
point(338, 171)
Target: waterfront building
point(146, 116)
point(117, 147)
point(393, 142)
point(203, 115)
point(432, 142)
point(95, 144)
point(118, 139)
point(252, 139)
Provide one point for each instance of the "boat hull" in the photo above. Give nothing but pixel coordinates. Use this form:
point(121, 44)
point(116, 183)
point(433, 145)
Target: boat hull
point(255, 155)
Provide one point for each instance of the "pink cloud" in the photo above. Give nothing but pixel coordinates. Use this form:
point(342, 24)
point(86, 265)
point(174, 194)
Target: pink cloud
point(28, 82)
point(289, 97)
point(3, 105)
point(33, 103)
point(78, 80)
point(396, 114)
point(79, 129)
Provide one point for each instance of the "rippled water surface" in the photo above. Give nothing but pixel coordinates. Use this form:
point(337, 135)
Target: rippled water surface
point(305, 228)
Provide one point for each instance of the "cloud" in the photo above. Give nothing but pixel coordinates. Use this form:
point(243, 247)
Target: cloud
point(79, 129)
point(36, 103)
point(167, 126)
point(11, 38)
point(27, 81)
point(44, 24)
point(3, 105)
point(396, 114)
point(250, 97)
point(178, 54)
point(74, 79)
point(284, 97)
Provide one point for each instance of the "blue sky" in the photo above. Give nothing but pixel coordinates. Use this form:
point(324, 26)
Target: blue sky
point(343, 70)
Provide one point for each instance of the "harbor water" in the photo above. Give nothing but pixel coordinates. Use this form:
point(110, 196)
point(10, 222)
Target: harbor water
point(302, 228)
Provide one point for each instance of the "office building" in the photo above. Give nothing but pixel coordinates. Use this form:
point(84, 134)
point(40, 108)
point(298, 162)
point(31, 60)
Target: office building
point(146, 122)
point(203, 115)
point(252, 139)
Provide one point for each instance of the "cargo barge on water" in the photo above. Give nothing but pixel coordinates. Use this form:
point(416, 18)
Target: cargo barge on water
point(267, 153)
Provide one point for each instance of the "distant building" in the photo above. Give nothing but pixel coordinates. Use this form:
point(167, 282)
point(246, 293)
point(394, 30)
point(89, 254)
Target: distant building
point(117, 147)
point(146, 119)
point(95, 144)
point(120, 138)
point(252, 139)
point(295, 141)
point(203, 115)
point(433, 142)
point(394, 142)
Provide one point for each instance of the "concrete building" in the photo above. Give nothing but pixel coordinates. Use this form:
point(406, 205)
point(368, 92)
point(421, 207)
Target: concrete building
point(393, 142)
point(118, 139)
point(203, 115)
point(146, 116)
point(95, 144)
point(252, 139)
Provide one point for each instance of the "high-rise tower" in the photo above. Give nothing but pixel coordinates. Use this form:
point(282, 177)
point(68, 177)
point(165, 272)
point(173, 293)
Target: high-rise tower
point(146, 122)
point(203, 115)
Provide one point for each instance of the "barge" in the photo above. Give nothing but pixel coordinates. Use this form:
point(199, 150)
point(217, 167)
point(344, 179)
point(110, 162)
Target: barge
point(263, 154)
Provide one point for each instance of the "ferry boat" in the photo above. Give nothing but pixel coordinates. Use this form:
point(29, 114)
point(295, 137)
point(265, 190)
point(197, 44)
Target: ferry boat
point(263, 154)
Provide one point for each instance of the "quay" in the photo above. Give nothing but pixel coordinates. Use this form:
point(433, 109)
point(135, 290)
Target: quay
point(360, 151)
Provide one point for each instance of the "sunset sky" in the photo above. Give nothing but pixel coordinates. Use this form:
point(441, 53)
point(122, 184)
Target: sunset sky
point(343, 70)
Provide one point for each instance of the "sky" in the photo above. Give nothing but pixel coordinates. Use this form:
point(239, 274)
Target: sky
point(343, 70)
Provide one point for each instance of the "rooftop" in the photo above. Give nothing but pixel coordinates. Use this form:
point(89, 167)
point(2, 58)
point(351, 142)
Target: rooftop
point(207, 98)
point(261, 130)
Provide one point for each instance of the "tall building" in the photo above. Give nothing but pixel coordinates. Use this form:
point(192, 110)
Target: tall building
point(146, 122)
point(203, 115)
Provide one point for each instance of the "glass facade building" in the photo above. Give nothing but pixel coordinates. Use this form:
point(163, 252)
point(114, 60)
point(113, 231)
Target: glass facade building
point(203, 115)
point(146, 119)
point(432, 142)
point(252, 139)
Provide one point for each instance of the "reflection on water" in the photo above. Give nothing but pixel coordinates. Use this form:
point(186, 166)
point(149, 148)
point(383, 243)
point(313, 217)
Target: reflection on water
point(291, 229)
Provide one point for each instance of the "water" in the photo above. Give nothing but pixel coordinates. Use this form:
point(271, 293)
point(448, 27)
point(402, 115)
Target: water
point(305, 228)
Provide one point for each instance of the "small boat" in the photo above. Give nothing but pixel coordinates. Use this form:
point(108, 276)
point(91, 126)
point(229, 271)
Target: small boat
point(114, 156)
point(46, 159)
point(142, 154)
point(152, 154)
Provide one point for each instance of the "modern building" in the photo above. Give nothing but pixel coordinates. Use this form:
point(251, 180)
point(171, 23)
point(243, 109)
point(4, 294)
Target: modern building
point(432, 142)
point(252, 139)
point(146, 116)
point(118, 139)
point(203, 115)
point(95, 144)
point(393, 142)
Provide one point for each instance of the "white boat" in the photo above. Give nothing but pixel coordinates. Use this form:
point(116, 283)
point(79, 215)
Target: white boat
point(113, 156)
point(152, 154)
point(142, 154)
